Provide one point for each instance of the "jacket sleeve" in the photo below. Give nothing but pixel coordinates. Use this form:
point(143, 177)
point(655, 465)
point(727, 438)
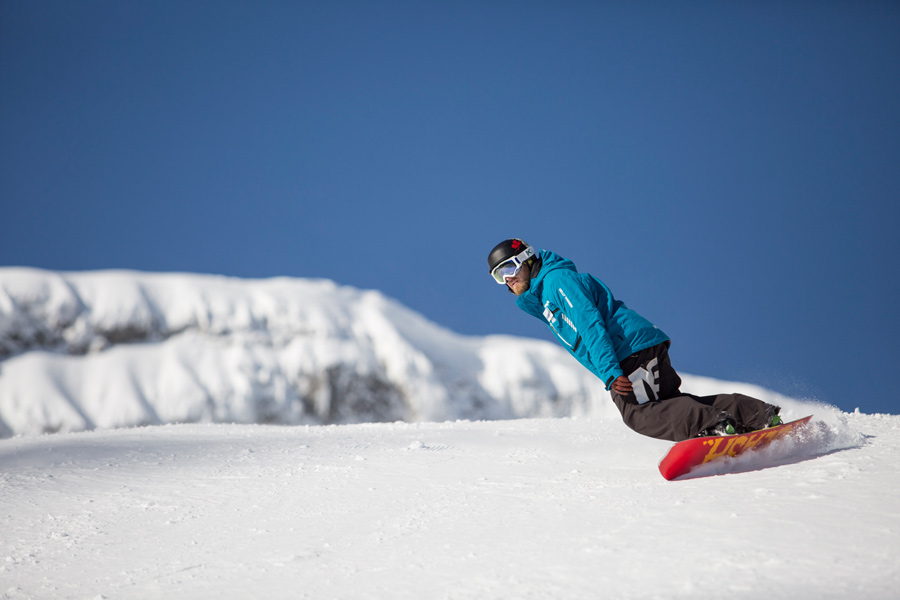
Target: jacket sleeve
point(597, 354)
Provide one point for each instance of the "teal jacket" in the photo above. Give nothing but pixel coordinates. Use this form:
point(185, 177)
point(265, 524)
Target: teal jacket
point(595, 328)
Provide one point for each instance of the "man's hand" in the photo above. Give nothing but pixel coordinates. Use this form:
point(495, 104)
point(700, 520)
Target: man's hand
point(621, 385)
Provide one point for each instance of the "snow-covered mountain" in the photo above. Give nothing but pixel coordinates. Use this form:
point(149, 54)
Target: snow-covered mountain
point(108, 349)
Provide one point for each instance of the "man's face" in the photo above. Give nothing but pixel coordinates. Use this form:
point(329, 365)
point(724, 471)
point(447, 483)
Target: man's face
point(520, 282)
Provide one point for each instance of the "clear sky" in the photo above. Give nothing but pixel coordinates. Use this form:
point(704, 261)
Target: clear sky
point(730, 169)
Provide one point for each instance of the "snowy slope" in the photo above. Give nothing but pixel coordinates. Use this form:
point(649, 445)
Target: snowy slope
point(112, 348)
point(566, 507)
point(539, 508)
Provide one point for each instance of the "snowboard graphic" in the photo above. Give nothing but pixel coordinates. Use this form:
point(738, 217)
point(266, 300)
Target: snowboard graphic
point(685, 455)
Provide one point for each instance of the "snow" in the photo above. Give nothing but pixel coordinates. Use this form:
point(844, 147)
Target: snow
point(108, 349)
point(512, 476)
point(530, 508)
point(113, 349)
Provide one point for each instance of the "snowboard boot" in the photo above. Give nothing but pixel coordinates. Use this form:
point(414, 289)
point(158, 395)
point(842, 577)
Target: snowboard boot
point(772, 418)
point(723, 427)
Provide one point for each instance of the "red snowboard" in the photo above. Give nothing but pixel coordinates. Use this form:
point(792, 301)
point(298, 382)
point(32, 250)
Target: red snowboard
point(684, 456)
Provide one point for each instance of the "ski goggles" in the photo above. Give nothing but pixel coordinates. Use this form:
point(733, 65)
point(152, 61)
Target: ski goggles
point(510, 267)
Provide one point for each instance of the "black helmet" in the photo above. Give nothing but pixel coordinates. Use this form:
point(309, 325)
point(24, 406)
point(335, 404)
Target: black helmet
point(509, 249)
point(506, 250)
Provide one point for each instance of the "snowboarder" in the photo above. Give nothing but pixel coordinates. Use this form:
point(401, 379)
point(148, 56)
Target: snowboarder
point(625, 350)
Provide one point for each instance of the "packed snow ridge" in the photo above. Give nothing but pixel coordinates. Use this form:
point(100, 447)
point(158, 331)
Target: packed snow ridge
point(106, 349)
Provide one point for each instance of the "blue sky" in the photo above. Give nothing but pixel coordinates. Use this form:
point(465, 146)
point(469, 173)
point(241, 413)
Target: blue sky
point(731, 170)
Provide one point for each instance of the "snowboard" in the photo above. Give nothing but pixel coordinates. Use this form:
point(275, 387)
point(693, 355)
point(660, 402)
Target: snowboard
point(685, 455)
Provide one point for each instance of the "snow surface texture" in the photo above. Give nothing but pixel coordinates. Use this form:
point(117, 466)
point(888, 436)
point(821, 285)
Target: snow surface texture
point(569, 507)
point(112, 348)
point(531, 508)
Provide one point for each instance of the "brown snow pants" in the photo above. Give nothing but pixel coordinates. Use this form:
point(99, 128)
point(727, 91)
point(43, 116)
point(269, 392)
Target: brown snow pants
point(657, 407)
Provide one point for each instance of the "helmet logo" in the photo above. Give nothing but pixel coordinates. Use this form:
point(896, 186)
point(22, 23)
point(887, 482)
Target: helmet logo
point(516, 244)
